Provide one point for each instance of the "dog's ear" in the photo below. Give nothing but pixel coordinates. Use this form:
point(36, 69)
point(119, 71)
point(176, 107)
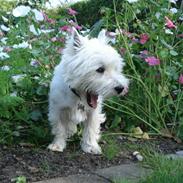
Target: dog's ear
point(102, 36)
point(77, 39)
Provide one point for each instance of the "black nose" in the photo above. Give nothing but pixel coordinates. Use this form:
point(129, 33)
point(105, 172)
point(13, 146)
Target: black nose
point(119, 89)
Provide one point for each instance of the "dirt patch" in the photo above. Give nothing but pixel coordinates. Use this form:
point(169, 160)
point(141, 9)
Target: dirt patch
point(39, 164)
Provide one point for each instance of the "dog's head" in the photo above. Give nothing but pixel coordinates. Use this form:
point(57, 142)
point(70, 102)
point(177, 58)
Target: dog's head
point(94, 67)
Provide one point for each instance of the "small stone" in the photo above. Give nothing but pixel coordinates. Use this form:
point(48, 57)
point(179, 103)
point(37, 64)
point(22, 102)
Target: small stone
point(135, 153)
point(138, 156)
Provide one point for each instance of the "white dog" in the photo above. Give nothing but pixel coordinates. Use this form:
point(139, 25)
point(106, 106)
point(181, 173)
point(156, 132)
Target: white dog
point(90, 71)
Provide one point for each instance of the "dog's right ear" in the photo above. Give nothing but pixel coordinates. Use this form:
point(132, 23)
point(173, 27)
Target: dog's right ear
point(102, 36)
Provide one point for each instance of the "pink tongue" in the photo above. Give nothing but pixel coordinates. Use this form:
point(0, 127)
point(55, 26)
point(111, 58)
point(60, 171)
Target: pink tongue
point(93, 101)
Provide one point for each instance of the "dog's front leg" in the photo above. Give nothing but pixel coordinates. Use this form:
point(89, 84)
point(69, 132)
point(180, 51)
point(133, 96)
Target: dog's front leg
point(91, 133)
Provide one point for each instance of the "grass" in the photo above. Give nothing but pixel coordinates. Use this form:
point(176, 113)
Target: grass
point(165, 170)
point(111, 148)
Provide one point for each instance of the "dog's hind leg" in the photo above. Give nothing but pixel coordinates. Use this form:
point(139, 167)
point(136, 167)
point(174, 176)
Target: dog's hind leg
point(91, 132)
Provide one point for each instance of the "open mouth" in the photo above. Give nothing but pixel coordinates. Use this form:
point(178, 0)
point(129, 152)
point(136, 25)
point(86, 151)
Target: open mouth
point(92, 99)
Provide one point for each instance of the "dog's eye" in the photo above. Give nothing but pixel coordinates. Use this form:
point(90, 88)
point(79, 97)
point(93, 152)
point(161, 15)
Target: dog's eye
point(100, 70)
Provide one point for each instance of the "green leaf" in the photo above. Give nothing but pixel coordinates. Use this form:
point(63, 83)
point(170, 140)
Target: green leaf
point(116, 121)
point(35, 115)
point(164, 53)
point(173, 53)
point(164, 91)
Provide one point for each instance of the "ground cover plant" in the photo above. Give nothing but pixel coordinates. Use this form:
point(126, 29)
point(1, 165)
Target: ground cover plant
point(147, 33)
point(164, 170)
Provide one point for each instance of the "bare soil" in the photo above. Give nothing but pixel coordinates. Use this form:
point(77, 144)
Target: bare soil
point(39, 164)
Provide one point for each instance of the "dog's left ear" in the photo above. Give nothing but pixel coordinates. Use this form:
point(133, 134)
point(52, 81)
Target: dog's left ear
point(102, 36)
point(77, 39)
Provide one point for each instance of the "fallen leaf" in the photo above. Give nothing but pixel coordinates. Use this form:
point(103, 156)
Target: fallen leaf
point(145, 136)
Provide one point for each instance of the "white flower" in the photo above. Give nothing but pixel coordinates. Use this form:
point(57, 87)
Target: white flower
point(181, 18)
point(4, 40)
point(18, 77)
point(34, 31)
point(168, 31)
point(132, 1)
point(173, 10)
point(157, 15)
point(21, 11)
point(21, 45)
point(4, 28)
point(36, 77)
point(4, 19)
point(14, 94)
point(173, 1)
point(47, 31)
point(38, 15)
point(3, 55)
point(5, 68)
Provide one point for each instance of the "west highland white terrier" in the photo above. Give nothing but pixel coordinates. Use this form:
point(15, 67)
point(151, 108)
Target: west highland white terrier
point(90, 71)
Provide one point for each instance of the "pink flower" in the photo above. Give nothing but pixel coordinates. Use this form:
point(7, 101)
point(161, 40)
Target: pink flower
point(53, 39)
point(49, 20)
point(59, 50)
point(61, 39)
point(72, 12)
point(74, 24)
point(181, 79)
point(144, 38)
point(152, 61)
point(144, 54)
point(1, 34)
point(7, 49)
point(111, 34)
point(66, 28)
point(169, 23)
point(180, 35)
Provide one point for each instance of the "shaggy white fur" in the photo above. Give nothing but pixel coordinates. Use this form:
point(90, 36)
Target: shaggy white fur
point(90, 71)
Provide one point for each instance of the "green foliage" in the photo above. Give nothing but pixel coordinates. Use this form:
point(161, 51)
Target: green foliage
point(21, 179)
point(154, 102)
point(96, 11)
point(155, 98)
point(165, 170)
point(111, 148)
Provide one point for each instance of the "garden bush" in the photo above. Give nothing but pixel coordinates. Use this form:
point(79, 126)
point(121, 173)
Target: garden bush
point(147, 34)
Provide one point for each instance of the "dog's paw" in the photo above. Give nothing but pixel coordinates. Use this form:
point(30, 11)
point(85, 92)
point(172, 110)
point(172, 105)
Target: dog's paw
point(91, 149)
point(56, 147)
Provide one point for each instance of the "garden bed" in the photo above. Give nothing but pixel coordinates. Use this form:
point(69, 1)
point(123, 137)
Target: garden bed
point(39, 164)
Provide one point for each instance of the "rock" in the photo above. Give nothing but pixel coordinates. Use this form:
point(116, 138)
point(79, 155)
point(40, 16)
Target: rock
point(174, 156)
point(131, 171)
point(179, 153)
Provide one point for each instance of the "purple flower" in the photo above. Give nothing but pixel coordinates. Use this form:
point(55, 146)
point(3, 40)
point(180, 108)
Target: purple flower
point(152, 61)
point(34, 63)
point(144, 54)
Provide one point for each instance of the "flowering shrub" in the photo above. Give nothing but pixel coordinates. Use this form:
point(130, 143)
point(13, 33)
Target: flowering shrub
point(30, 46)
point(148, 34)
